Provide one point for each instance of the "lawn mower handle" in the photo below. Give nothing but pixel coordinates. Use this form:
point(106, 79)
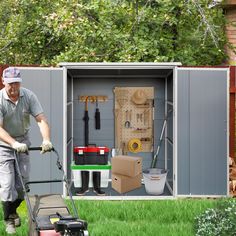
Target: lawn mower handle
point(37, 149)
point(59, 167)
point(29, 148)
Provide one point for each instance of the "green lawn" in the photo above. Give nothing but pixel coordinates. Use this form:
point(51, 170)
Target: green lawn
point(134, 218)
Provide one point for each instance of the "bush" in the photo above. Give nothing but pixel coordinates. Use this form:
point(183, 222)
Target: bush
point(219, 221)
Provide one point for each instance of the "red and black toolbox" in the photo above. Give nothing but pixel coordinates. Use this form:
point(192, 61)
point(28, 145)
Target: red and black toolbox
point(91, 155)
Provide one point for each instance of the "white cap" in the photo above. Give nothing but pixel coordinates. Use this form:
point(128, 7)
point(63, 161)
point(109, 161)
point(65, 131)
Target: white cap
point(11, 75)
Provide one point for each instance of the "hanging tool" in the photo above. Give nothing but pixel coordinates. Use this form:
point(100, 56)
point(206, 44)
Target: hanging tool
point(154, 160)
point(117, 130)
point(97, 116)
point(86, 99)
point(135, 145)
point(86, 124)
point(121, 96)
point(127, 121)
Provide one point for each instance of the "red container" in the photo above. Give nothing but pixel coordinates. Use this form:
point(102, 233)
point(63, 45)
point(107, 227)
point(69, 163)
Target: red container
point(91, 155)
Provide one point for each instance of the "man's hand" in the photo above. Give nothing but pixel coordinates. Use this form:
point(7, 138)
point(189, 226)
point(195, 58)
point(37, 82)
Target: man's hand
point(46, 146)
point(20, 147)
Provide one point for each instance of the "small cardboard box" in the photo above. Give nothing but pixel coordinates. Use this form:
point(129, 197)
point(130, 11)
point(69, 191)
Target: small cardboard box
point(123, 184)
point(126, 165)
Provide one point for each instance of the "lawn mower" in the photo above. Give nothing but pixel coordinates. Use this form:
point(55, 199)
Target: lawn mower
point(48, 214)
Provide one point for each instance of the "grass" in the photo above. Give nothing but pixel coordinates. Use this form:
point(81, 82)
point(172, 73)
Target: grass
point(139, 218)
point(21, 231)
point(133, 218)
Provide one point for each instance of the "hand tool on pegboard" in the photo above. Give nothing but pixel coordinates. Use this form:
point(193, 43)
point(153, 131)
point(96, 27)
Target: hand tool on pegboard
point(97, 116)
point(86, 124)
point(133, 123)
point(86, 99)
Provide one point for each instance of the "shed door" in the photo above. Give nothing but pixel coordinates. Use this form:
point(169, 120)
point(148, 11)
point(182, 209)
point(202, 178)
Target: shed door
point(47, 84)
point(202, 146)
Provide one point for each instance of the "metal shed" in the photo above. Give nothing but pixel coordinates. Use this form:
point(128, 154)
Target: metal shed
point(195, 149)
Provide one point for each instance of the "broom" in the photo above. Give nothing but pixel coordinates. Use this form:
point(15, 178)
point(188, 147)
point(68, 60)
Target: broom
point(154, 159)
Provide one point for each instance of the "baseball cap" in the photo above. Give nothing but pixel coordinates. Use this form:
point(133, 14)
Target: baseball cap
point(11, 75)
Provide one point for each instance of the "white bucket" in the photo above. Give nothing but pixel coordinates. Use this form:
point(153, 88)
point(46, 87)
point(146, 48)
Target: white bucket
point(154, 180)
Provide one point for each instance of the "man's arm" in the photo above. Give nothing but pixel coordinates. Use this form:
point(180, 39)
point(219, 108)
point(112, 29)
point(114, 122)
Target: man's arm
point(6, 137)
point(43, 126)
point(45, 132)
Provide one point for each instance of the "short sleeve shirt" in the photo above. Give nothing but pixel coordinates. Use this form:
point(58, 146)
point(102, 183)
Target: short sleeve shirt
point(15, 118)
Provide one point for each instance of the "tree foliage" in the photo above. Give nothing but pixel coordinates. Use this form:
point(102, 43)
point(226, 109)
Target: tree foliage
point(52, 31)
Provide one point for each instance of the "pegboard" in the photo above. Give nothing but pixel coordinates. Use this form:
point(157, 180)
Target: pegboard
point(134, 117)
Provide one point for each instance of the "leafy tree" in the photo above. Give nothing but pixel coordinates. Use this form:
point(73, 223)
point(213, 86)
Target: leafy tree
point(48, 32)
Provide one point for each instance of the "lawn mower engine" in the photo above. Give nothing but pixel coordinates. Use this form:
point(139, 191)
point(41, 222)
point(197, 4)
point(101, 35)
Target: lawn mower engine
point(61, 226)
point(67, 226)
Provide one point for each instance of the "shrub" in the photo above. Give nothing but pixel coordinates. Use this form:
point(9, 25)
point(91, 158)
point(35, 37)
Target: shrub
point(219, 221)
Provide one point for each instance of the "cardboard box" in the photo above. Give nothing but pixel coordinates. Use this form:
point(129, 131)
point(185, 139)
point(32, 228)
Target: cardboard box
point(126, 165)
point(123, 184)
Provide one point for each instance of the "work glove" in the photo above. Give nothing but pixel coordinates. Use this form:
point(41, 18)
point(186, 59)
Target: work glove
point(46, 146)
point(20, 147)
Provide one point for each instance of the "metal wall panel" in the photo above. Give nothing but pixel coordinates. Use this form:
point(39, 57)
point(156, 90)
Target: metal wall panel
point(69, 121)
point(69, 159)
point(183, 133)
point(69, 88)
point(47, 85)
point(208, 136)
point(202, 132)
point(56, 124)
point(169, 106)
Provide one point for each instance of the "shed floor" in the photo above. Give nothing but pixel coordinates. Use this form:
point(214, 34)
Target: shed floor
point(111, 192)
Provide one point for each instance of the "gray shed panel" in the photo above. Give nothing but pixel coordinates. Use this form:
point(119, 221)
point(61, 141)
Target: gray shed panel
point(183, 161)
point(47, 84)
point(202, 132)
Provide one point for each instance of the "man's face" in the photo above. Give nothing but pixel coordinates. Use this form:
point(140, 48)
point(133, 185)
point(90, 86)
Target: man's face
point(12, 89)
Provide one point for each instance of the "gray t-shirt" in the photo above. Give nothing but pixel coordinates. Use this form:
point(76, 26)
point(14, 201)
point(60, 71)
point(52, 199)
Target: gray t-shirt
point(16, 117)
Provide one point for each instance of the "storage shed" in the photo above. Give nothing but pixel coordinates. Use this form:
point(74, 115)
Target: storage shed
point(195, 145)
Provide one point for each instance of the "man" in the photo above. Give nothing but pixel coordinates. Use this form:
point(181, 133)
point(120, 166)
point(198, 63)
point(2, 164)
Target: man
point(16, 106)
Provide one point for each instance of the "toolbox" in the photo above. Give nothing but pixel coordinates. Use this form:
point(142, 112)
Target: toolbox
point(91, 155)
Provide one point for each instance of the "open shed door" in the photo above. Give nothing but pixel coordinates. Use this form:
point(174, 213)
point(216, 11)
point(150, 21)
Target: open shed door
point(47, 84)
point(202, 131)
